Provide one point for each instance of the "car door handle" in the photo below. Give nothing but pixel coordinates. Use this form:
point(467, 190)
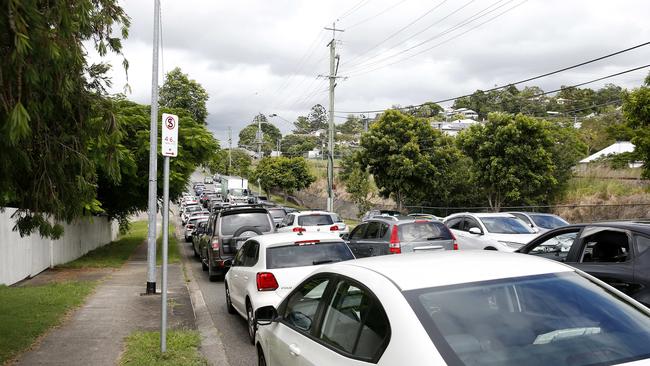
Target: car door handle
point(294, 350)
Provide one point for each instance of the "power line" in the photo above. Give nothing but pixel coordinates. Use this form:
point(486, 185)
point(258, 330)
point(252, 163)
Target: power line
point(376, 15)
point(466, 21)
point(397, 32)
point(530, 78)
point(350, 11)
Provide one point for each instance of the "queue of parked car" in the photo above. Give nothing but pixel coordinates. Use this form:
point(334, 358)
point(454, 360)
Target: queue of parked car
point(313, 291)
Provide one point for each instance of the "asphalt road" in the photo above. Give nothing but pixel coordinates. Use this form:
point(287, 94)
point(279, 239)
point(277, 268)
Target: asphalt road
point(232, 327)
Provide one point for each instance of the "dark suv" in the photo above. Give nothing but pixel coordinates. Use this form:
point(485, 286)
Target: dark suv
point(380, 236)
point(228, 231)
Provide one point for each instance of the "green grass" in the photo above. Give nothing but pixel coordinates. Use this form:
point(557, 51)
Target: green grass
point(112, 255)
point(27, 312)
point(173, 255)
point(143, 348)
point(352, 223)
point(282, 202)
point(578, 188)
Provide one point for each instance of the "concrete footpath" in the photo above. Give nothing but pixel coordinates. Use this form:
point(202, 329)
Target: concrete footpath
point(94, 333)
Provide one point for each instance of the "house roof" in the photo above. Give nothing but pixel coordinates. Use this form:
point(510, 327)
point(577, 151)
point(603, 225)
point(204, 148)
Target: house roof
point(617, 148)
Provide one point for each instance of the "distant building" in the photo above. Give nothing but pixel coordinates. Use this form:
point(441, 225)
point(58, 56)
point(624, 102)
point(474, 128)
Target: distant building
point(614, 149)
point(452, 128)
point(465, 112)
point(276, 154)
point(313, 154)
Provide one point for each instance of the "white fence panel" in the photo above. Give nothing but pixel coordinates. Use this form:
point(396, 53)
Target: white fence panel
point(21, 258)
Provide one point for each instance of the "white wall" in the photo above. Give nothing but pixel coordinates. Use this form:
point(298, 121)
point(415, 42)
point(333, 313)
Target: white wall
point(21, 258)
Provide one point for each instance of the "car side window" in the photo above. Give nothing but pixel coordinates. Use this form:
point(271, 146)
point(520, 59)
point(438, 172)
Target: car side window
point(523, 218)
point(358, 232)
point(250, 254)
point(383, 230)
point(642, 245)
point(556, 247)
point(606, 246)
point(455, 223)
point(373, 230)
point(301, 307)
point(238, 260)
point(470, 223)
point(355, 322)
point(290, 219)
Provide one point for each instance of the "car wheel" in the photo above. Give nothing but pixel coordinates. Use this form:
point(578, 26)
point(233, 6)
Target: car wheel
point(250, 318)
point(231, 309)
point(196, 254)
point(211, 275)
point(261, 361)
point(204, 266)
point(490, 248)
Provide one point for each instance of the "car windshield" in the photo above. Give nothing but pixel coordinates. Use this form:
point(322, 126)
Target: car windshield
point(423, 231)
point(315, 220)
point(277, 213)
point(236, 191)
point(505, 225)
point(553, 319)
point(193, 208)
point(308, 254)
point(548, 221)
point(231, 223)
point(336, 218)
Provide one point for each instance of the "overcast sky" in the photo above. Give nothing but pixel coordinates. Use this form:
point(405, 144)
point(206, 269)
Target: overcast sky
point(264, 56)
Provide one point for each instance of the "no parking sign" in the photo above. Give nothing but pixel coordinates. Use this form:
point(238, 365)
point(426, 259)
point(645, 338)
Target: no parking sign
point(169, 135)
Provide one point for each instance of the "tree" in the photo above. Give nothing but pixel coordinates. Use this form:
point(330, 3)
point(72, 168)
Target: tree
point(282, 173)
point(409, 160)
point(600, 131)
point(511, 159)
point(352, 126)
point(298, 145)
point(636, 109)
point(566, 151)
point(124, 197)
point(179, 91)
point(241, 163)
point(270, 135)
point(53, 108)
point(357, 183)
point(315, 120)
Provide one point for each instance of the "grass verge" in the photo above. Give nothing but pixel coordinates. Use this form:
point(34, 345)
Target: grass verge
point(174, 255)
point(112, 255)
point(143, 348)
point(27, 312)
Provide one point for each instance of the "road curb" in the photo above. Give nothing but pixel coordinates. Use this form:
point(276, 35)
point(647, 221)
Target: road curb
point(211, 344)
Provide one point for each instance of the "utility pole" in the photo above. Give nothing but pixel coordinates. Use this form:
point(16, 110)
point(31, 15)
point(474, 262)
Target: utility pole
point(259, 137)
point(334, 58)
point(365, 123)
point(229, 150)
point(153, 158)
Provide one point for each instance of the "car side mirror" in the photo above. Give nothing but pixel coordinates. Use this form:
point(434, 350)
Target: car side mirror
point(266, 315)
point(345, 236)
point(475, 230)
point(227, 263)
point(277, 226)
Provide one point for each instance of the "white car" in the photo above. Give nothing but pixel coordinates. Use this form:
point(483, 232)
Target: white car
point(310, 221)
point(338, 220)
point(192, 224)
point(453, 308)
point(541, 222)
point(189, 211)
point(267, 267)
point(489, 231)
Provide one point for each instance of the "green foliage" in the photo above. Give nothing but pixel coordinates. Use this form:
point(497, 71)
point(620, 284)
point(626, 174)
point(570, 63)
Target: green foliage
point(567, 150)
point(196, 145)
point(298, 145)
point(426, 110)
point(600, 131)
point(271, 135)
point(179, 91)
point(352, 126)
point(241, 163)
point(143, 348)
point(50, 115)
point(512, 160)
point(283, 173)
point(29, 311)
point(636, 108)
point(409, 160)
point(357, 183)
point(173, 252)
point(114, 254)
point(315, 120)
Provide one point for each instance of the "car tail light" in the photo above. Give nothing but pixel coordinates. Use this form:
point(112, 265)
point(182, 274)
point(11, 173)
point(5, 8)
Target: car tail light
point(215, 244)
point(266, 281)
point(307, 242)
point(453, 237)
point(299, 229)
point(394, 245)
point(421, 221)
point(334, 228)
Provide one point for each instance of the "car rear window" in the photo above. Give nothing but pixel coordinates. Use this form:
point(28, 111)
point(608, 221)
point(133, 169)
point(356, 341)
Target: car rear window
point(548, 221)
point(277, 213)
point(427, 230)
point(315, 220)
point(297, 255)
point(505, 225)
point(231, 223)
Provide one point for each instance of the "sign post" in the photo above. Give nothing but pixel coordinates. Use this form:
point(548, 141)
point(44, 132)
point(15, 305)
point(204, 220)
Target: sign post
point(169, 149)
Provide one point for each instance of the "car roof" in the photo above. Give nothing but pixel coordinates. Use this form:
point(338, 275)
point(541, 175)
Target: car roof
point(638, 226)
point(411, 271)
point(314, 212)
point(276, 239)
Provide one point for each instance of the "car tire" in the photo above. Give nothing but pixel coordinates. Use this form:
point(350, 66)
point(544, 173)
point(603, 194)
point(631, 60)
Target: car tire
point(490, 248)
point(204, 266)
point(211, 275)
point(231, 309)
point(196, 254)
point(250, 320)
point(261, 361)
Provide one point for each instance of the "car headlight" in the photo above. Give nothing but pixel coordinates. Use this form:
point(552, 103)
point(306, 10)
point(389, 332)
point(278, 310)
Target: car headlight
point(511, 244)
